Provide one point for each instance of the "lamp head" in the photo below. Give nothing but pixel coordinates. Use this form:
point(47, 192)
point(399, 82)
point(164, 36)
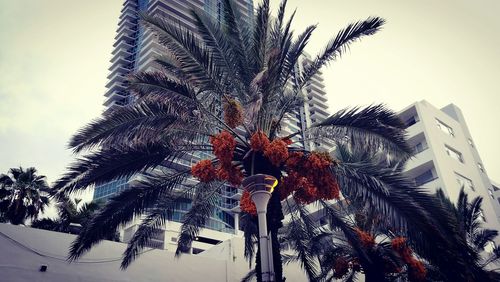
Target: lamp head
point(260, 182)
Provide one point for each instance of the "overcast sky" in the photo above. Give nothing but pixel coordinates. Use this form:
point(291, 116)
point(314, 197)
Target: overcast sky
point(54, 56)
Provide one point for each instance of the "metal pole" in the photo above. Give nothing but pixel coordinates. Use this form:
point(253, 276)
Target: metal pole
point(260, 187)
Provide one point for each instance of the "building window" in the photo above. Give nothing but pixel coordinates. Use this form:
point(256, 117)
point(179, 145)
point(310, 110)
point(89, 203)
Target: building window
point(470, 142)
point(420, 147)
point(411, 121)
point(464, 182)
point(454, 154)
point(481, 167)
point(445, 128)
point(424, 178)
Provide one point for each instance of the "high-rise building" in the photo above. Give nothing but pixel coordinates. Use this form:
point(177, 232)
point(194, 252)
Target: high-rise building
point(446, 156)
point(135, 50)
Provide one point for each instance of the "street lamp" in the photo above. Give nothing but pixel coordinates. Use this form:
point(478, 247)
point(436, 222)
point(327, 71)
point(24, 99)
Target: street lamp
point(260, 187)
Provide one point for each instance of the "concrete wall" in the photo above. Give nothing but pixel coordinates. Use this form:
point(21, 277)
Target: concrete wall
point(23, 250)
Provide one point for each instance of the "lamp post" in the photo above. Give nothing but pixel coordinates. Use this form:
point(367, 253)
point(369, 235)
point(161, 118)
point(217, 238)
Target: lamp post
point(260, 187)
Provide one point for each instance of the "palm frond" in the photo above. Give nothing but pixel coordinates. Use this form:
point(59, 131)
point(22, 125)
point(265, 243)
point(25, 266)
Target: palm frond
point(373, 128)
point(238, 35)
point(156, 217)
point(205, 201)
point(483, 237)
point(145, 121)
point(221, 49)
point(260, 37)
point(122, 208)
point(159, 84)
point(430, 228)
point(298, 234)
point(337, 46)
point(252, 274)
point(250, 232)
point(192, 56)
point(111, 163)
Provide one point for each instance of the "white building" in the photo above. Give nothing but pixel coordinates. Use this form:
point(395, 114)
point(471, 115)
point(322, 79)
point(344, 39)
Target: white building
point(447, 157)
point(494, 193)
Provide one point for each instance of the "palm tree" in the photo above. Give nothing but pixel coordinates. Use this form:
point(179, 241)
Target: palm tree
point(70, 213)
point(228, 92)
point(22, 195)
point(468, 219)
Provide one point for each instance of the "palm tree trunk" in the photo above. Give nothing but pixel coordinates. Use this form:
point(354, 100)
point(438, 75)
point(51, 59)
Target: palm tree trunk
point(374, 276)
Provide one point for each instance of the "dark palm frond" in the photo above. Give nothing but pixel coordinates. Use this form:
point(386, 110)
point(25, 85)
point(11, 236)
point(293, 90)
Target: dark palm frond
point(473, 220)
point(46, 224)
point(156, 83)
point(250, 231)
point(111, 163)
point(296, 50)
point(373, 128)
point(5, 180)
point(482, 237)
point(122, 208)
point(190, 53)
point(238, 36)
point(260, 37)
point(205, 201)
point(156, 217)
point(144, 121)
point(337, 221)
point(299, 235)
point(430, 228)
point(221, 49)
point(337, 46)
point(252, 274)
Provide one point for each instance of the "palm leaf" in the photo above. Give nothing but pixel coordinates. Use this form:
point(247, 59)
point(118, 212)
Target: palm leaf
point(111, 163)
point(373, 128)
point(122, 208)
point(204, 202)
point(156, 217)
point(341, 42)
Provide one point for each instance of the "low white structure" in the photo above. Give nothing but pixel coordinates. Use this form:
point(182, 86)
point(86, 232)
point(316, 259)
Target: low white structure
point(25, 250)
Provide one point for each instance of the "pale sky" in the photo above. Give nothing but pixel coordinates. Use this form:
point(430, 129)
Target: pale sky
point(54, 56)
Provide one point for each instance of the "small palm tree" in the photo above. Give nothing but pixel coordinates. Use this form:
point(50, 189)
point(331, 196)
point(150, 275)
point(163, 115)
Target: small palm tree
point(70, 212)
point(22, 195)
point(468, 219)
point(228, 92)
